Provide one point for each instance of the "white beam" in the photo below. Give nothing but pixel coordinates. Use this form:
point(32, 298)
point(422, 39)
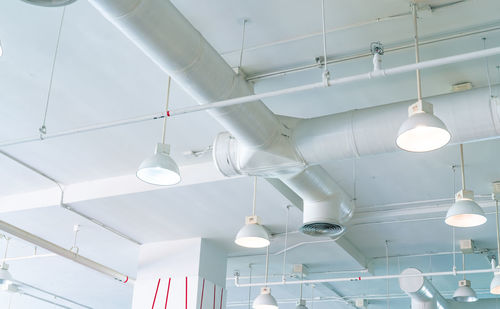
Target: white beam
point(104, 188)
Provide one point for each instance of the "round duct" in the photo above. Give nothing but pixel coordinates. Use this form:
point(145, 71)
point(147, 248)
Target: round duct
point(326, 218)
point(49, 3)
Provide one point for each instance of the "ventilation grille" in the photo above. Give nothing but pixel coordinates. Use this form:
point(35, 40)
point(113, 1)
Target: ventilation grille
point(322, 229)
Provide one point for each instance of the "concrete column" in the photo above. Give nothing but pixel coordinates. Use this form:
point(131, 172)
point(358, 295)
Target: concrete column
point(182, 274)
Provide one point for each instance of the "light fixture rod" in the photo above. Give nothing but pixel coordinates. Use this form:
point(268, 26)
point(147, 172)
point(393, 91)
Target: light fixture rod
point(166, 110)
point(325, 60)
point(487, 65)
point(463, 263)
point(498, 234)
point(250, 288)
point(242, 43)
point(454, 250)
point(286, 240)
point(417, 52)
point(301, 278)
point(463, 165)
point(7, 242)
point(43, 128)
point(254, 203)
point(387, 272)
point(267, 266)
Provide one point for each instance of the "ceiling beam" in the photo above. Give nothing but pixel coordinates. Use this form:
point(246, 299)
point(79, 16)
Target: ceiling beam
point(104, 188)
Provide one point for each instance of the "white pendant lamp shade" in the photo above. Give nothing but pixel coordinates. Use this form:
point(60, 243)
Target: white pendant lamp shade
point(252, 234)
point(465, 212)
point(495, 283)
point(464, 293)
point(159, 169)
point(265, 300)
point(422, 131)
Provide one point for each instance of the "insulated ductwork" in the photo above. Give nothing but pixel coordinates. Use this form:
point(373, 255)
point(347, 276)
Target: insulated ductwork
point(263, 144)
point(422, 292)
point(262, 141)
point(469, 115)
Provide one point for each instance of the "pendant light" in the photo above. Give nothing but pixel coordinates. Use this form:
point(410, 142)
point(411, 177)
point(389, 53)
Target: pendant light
point(464, 293)
point(495, 283)
point(465, 212)
point(253, 234)
point(422, 131)
point(160, 169)
point(265, 300)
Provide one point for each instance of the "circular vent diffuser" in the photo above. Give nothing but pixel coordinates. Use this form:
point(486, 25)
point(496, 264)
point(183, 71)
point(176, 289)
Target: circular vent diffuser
point(322, 229)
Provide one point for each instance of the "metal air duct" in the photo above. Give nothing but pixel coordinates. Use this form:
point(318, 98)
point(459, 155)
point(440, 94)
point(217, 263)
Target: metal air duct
point(264, 144)
point(422, 292)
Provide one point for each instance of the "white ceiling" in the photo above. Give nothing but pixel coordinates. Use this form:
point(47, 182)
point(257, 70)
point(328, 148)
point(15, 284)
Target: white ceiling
point(100, 77)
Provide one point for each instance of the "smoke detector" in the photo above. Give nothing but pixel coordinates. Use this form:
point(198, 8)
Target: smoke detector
point(49, 3)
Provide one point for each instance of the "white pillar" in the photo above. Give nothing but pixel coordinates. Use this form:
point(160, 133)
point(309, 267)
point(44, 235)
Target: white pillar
point(182, 274)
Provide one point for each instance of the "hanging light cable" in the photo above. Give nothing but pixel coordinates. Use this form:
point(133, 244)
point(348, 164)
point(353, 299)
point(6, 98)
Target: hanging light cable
point(245, 21)
point(301, 304)
point(160, 169)
point(487, 66)
point(422, 131)
point(495, 283)
point(265, 300)
point(465, 212)
point(253, 234)
point(388, 301)
point(283, 276)
point(43, 129)
point(250, 287)
point(464, 293)
point(5, 276)
point(326, 73)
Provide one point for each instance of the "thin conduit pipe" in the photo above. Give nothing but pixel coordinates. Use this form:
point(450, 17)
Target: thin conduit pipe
point(56, 296)
point(29, 257)
point(336, 29)
point(325, 299)
point(256, 97)
point(44, 300)
point(343, 80)
point(284, 72)
point(320, 33)
point(361, 271)
point(352, 279)
point(65, 206)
